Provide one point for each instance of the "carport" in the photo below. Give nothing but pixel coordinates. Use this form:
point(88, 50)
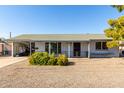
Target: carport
point(21, 48)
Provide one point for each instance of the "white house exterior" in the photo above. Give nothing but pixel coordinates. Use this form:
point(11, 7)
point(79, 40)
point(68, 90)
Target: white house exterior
point(72, 45)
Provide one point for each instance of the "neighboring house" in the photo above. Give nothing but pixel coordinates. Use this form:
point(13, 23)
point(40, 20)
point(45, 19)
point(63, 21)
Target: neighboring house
point(1, 47)
point(5, 48)
point(72, 45)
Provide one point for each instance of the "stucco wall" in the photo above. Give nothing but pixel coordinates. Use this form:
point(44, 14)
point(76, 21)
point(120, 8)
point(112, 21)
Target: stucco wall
point(114, 51)
point(8, 47)
point(5, 47)
point(15, 48)
point(40, 45)
point(84, 49)
point(64, 48)
point(1, 48)
point(71, 44)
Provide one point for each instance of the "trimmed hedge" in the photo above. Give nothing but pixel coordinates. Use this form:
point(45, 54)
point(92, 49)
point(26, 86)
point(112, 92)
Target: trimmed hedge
point(43, 58)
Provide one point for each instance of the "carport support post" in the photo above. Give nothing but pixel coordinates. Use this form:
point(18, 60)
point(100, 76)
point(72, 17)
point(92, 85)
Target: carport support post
point(89, 49)
point(30, 48)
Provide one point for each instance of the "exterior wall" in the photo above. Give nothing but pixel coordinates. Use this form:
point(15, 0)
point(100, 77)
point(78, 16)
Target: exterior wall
point(8, 48)
point(121, 48)
point(1, 49)
point(40, 45)
point(5, 49)
point(71, 44)
point(114, 51)
point(15, 48)
point(84, 49)
point(64, 48)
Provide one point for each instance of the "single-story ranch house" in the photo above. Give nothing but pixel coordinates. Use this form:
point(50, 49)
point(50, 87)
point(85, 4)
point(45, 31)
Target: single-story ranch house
point(72, 45)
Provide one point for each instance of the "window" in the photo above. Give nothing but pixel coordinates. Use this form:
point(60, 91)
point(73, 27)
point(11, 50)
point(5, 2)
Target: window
point(47, 47)
point(101, 46)
point(59, 47)
point(104, 46)
point(55, 47)
point(98, 45)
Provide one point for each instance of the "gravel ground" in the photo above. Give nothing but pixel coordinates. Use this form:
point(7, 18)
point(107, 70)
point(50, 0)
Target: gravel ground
point(82, 72)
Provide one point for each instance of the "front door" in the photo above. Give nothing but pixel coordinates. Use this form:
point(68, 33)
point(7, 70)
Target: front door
point(76, 49)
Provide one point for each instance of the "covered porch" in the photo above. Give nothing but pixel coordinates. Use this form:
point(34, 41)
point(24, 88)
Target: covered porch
point(69, 48)
point(72, 49)
point(22, 48)
point(89, 45)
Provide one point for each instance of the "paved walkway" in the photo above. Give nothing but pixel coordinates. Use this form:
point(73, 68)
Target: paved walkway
point(5, 61)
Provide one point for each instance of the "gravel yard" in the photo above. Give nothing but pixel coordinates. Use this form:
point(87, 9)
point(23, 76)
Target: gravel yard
point(82, 72)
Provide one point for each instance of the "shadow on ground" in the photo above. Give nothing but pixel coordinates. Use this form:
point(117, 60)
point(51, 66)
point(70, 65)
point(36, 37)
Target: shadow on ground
point(70, 63)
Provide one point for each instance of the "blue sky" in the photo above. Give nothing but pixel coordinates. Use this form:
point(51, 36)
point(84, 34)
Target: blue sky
point(55, 19)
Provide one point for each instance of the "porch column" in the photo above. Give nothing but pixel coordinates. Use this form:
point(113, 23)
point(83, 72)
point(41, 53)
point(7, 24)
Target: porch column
point(69, 50)
point(89, 49)
point(30, 48)
point(12, 50)
point(49, 48)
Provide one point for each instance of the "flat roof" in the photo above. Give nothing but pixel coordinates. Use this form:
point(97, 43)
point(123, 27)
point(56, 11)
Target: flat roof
point(61, 37)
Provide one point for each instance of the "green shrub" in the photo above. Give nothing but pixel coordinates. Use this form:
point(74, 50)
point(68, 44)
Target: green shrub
point(45, 54)
point(33, 57)
point(43, 58)
point(52, 60)
point(62, 60)
point(39, 58)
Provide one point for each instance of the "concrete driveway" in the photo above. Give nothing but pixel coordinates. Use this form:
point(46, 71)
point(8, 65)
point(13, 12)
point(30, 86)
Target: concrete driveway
point(5, 61)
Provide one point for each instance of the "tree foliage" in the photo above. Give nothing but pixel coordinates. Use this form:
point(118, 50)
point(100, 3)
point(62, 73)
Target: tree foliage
point(111, 44)
point(115, 31)
point(120, 8)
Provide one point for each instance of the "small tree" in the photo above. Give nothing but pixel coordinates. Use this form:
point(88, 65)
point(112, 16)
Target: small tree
point(115, 31)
